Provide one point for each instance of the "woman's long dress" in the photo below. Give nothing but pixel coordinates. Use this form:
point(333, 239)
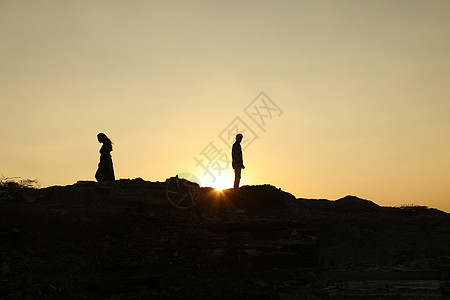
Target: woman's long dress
point(105, 171)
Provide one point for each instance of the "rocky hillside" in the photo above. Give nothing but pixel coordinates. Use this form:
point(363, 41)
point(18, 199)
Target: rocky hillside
point(135, 239)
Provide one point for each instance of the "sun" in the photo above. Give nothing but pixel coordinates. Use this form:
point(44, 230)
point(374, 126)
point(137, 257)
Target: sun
point(222, 182)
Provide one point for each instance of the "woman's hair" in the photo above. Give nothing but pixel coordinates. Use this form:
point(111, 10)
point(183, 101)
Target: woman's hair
point(103, 138)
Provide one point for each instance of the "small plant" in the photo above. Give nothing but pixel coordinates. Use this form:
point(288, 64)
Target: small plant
point(413, 207)
point(17, 183)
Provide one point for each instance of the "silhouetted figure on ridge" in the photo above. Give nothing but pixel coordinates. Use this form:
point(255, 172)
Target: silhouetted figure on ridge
point(238, 162)
point(105, 171)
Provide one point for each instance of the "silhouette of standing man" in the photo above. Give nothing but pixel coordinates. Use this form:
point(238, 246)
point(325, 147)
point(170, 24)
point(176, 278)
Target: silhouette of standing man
point(105, 171)
point(238, 162)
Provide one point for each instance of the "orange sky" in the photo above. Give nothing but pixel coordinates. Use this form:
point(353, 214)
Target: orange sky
point(362, 89)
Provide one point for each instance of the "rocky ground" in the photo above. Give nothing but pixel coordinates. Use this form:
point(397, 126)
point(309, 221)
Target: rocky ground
point(126, 240)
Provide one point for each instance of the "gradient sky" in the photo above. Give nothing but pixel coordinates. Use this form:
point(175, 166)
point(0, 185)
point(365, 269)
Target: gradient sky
point(363, 87)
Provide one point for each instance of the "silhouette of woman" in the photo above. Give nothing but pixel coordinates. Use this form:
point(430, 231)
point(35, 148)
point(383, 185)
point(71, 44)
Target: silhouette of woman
point(105, 171)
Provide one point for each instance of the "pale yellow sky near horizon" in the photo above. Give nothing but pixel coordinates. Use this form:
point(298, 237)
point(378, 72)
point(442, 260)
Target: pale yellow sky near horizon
point(363, 87)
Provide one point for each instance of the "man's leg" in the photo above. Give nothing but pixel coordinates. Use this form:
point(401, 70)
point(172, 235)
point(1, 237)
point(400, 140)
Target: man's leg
point(237, 177)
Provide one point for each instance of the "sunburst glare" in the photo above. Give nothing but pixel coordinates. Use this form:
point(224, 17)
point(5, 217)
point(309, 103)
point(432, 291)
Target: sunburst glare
point(220, 183)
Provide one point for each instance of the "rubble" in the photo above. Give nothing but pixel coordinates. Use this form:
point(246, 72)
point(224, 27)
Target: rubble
point(125, 241)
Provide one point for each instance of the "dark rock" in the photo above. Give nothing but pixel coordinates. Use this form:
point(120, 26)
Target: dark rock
point(125, 240)
point(5, 268)
point(355, 204)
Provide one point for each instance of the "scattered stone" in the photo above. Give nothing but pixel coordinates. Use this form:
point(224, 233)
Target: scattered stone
point(5, 268)
point(252, 252)
point(29, 198)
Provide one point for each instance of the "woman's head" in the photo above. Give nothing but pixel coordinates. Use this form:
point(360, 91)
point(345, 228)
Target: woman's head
point(102, 138)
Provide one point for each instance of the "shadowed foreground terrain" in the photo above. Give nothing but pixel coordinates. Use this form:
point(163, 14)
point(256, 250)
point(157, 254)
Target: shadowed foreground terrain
point(126, 241)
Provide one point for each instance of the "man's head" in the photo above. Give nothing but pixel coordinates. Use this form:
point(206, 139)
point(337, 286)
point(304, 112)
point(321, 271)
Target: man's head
point(239, 137)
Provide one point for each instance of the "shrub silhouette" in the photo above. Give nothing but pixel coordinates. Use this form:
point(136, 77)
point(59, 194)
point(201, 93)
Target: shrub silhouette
point(17, 183)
